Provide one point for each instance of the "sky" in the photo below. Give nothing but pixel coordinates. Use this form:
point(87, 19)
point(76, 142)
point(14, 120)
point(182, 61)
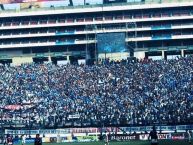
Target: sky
point(62, 3)
point(57, 3)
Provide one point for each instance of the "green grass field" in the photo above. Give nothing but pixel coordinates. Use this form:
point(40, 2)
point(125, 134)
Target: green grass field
point(163, 142)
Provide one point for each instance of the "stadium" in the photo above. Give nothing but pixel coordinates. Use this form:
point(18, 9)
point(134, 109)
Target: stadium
point(95, 72)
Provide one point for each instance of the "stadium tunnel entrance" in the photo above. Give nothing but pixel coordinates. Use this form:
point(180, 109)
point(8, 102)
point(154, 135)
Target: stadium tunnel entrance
point(153, 55)
point(40, 59)
point(59, 59)
point(5, 61)
point(188, 52)
point(172, 54)
point(77, 59)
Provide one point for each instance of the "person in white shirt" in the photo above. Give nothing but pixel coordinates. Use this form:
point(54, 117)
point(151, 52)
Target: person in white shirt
point(189, 136)
point(106, 139)
point(23, 139)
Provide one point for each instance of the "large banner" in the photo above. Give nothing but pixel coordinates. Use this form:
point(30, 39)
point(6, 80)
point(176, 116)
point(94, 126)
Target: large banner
point(28, 140)
point(178, 136)
point(161, 136)
point(86, 138)
point(13, 107)
point(79, 139)
point(122, 137)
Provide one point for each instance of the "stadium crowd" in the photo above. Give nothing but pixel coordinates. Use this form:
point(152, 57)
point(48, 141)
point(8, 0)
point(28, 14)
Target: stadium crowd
point(110, 93)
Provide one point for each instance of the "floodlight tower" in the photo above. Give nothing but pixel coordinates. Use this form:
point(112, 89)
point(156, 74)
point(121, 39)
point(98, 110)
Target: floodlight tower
point(132, 45)
point(71, 3)
point(2, 7)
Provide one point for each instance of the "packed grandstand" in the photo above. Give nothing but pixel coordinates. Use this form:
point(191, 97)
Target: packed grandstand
point(144, 92)
point(61, 34)
point(77, 71)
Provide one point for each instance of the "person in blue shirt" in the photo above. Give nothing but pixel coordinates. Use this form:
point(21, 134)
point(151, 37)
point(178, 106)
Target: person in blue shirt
point(38, 140)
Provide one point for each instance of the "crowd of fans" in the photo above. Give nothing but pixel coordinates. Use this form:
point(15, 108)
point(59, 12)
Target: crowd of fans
point(108, 93)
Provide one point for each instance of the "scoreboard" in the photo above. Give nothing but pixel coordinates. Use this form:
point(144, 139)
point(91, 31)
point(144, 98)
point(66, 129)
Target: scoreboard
point(111, 42)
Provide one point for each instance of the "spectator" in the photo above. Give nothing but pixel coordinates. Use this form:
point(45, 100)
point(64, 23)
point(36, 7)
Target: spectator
point(38, 140)
point(110, 93)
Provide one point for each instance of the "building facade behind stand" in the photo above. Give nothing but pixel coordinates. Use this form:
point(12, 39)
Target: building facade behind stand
point(153, 29)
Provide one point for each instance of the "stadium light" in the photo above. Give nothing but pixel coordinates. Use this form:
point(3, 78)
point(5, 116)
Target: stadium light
point(96, 54)
point(91, 28)
point(71, 3)
point(135, 36)
point(87, 39)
